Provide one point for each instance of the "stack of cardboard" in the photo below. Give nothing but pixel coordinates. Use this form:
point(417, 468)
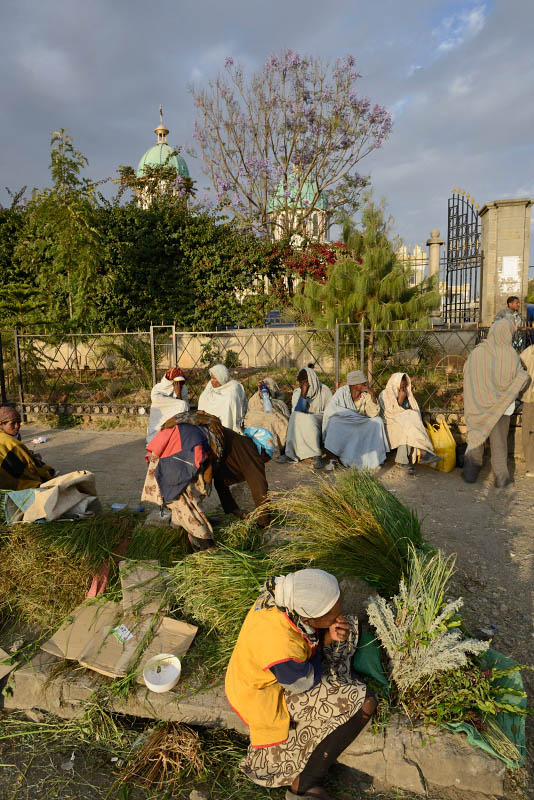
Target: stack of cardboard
point(113, 638)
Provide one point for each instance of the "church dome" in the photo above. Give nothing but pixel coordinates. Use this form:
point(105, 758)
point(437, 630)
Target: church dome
point(309, 190)
point(162, 153)
point(158, 155)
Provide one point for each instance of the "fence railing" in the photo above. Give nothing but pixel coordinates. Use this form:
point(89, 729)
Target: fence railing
point(112, 373)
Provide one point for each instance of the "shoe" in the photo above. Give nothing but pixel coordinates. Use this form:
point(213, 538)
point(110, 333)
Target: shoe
point(285, 460)
point(332, 464)
point(500, 483)
point(410, 469)
point(430, 458)
point(318, 463)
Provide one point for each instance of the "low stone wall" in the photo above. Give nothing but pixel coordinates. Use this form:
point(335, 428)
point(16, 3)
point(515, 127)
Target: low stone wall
point(412, 759)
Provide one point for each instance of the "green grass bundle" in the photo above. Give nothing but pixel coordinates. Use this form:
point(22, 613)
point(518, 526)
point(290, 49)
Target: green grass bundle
point(216, 589)
point(349, 526)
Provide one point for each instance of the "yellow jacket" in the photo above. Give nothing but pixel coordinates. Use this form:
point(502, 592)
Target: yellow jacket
point(19, 467)
point(267, 637)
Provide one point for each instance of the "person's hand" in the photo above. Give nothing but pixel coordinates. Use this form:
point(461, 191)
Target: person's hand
point(177, 385)
point(304, 386)
point(338, 632)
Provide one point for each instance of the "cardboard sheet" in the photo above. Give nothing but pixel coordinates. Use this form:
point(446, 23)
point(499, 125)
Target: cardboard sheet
point(87, 622)
point(5, 669)
point(143, 586)
point(114, 651)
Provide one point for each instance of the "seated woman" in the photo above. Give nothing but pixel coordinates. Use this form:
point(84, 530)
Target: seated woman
point(276, 420)
point(293, 689)
point(225, 398)
point(352, 427)
point(404, 426)
point(19, 467)
point(168, 397)
point(304, 432)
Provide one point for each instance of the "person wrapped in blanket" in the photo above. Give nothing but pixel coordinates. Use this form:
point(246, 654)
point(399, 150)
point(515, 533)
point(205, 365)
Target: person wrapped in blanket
point(20, 468)
point(290, 680)
point(168, 397)
point(190, 453)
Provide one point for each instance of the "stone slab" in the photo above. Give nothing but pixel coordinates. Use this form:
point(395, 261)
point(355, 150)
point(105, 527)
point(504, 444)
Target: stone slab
point(412, 759)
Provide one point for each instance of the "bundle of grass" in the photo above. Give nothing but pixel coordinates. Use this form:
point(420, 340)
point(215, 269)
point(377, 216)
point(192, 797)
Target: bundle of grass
point(216, 590)
point(241, 534)
point(170, 753)
point(418, 629)
point(349, 526)
point(40, 585)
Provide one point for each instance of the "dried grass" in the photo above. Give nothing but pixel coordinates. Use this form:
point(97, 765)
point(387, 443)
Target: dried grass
point(170, 753)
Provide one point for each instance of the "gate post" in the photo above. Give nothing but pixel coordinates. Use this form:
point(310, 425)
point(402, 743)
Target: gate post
point(505, 249)
point(19, 374)
point(153, 355)
point(2, 373)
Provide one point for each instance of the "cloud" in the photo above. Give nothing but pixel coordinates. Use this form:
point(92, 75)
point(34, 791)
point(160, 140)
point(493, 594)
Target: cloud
point(458, 28)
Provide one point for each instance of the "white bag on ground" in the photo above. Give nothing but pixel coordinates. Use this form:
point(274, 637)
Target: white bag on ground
point(70, 495)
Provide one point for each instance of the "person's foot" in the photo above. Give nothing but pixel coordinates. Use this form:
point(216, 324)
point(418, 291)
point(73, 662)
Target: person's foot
point(410, 469)
point(285, 459)
point(318, 463)
point(500, 483)
point(430, 458)
point(314, 791)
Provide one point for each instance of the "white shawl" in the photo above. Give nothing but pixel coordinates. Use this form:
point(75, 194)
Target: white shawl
point(228, 401)
point(165, 405)
point(403, 426)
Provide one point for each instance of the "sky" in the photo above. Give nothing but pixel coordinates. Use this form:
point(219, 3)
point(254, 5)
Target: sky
point(457, 77)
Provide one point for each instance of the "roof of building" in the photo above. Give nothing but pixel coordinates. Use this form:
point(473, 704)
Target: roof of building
point(162, 154)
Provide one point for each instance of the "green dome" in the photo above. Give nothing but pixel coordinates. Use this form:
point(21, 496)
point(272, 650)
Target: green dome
point(307, 193)
point(158, 155)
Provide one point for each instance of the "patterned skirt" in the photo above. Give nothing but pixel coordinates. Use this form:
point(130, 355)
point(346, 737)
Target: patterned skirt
point(314, 715)
point(186, 510)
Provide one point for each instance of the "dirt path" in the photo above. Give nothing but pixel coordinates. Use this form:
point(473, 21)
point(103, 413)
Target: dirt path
point(491, 530)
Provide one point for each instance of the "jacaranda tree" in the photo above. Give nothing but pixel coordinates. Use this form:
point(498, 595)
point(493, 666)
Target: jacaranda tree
point(295, 130)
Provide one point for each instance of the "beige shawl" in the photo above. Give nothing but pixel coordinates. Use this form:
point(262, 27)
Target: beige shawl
point(277, 420)
point(493, 378)
point(403, 426)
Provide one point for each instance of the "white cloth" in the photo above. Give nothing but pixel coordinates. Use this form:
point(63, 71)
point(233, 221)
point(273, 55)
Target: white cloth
point(357, 440)
point(403, 425)
point(304, 432)
point(228, 401)
point(310, 593)
point(165, 405)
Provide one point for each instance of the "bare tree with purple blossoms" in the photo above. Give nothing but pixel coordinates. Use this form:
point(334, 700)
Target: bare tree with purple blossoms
point(278, 144)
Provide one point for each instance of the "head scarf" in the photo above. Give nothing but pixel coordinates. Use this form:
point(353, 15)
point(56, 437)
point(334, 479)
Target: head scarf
point(8, 413)
point(355, 377)
point(309, 593)
point(390, 395)
point(175, 374)
point(314, 382)
point(274, 389)
point(493, 378)
point(220, 373)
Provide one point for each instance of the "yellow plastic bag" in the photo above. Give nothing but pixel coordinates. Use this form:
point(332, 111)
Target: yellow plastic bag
point(444, 445)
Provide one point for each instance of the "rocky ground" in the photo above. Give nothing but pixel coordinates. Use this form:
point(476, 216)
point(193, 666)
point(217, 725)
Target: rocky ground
point(491, 530)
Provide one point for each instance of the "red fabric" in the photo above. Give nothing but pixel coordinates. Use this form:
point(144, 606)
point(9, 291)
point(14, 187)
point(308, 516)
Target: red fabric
point(166, 443)
point(200, 455)
point(173, 373)
point(100, 580)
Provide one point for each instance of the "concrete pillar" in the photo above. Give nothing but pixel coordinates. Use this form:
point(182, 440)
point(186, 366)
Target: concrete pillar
point(505, 254)
point(434, 252)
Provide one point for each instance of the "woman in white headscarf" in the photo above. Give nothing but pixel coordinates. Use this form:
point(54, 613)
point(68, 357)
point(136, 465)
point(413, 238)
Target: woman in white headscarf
point(404, 425)
point(224, 398)
point(304, 432)
point(289, 679)
point(352, 426)
point(169, 397)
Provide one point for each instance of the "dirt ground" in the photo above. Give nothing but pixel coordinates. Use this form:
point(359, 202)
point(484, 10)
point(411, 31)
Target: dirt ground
point(490, 529)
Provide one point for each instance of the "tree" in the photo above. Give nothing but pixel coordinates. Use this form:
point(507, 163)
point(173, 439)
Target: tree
point(292, 134)
point(369, 284)
point(59, 245)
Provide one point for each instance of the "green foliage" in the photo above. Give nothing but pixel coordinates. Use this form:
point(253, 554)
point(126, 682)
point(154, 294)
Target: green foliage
point(136, 353)
point(369, 284)
point(350, 526)
point(59, 245)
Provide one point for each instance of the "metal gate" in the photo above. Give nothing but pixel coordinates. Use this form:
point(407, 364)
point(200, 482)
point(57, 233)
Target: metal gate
point(464, 260)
